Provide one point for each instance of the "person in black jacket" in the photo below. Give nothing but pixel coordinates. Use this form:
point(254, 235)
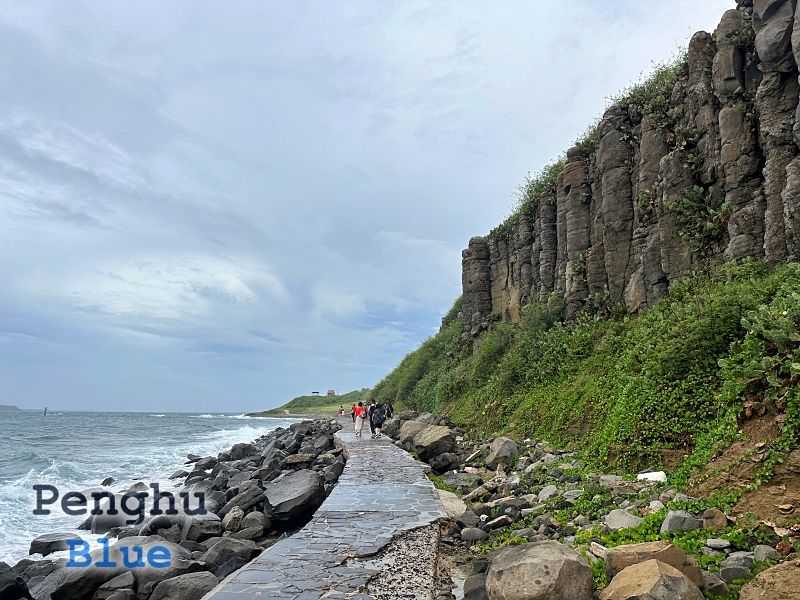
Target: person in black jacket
point(377, 420)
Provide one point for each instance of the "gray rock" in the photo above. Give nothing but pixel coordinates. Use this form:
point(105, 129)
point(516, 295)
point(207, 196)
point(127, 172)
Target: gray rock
point(251, 498)
point(192, 586)
point(224, 549)
point(51, 542)
point(248, 533)
point(762, 553)
point(621, 519)
point(718, 544)
point(547, 492)
point(122, 582)
point(736, 566)
point(538, 571)
point(680, 520)
point(502, 452)
point(473, 534)
point(715, 586)
point(12, 586)
point(433, 441)
point(475, 587)
point(78, 583)
point(409, 429)
point(651, 580)
point(445, 462)
point(295, 497)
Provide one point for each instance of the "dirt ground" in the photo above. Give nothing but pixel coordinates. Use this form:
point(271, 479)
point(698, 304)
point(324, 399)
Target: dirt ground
point(777, 501)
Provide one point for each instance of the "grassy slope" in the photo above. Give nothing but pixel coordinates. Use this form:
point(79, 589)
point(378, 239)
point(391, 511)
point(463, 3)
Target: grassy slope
point(632, 390)
point(315, 405)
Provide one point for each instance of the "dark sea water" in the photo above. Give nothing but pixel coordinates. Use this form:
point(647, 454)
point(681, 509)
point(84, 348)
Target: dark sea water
point(75, 451)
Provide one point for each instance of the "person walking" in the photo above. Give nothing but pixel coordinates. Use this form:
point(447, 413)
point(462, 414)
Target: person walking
point(360, 416)
point(378, 418)
point(353, 413)
point(369, 418)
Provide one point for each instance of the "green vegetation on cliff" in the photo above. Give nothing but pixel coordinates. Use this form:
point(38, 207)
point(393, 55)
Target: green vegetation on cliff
point(315, 405)
point(631, 390)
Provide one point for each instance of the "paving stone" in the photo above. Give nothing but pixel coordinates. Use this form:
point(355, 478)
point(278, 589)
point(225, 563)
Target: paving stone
point(381, 493)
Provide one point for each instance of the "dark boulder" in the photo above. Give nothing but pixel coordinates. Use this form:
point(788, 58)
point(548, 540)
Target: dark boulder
point(445, 462)
point(192, 586)
point(251, 498)
point(122, 582)
point(12, 586)
point(224, 549)
point(433, 441)
point(295, 497)
point(51, 542)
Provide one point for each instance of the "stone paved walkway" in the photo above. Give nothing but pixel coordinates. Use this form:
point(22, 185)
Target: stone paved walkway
point(381, 493)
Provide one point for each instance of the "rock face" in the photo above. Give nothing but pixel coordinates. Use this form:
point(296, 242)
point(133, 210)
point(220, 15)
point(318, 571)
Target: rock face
point(651, 580)
point(539, 571)
point(611, 228)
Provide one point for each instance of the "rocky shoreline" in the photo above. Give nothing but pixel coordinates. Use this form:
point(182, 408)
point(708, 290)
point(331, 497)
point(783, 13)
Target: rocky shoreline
point(255, 494)
point(537, 524)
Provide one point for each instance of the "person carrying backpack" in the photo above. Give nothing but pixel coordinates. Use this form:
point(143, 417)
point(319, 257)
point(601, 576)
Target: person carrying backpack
point(378, 418)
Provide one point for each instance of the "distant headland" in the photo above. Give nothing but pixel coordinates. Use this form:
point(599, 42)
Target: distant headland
point(9, 408)
point(315, 404)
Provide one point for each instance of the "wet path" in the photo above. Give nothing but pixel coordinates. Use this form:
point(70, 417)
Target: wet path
point(381, 493)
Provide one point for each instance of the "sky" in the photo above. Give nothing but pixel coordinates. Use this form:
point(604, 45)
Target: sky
point(214, 206)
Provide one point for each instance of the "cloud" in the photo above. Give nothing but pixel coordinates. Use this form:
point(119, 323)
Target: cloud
point(168, 288)
point(225, 207)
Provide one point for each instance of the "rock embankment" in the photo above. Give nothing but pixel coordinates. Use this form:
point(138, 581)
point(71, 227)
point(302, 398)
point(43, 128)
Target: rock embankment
point(255, 494)
point(540, 524)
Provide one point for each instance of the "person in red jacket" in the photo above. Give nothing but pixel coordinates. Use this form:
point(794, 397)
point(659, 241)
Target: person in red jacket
point(361, 417)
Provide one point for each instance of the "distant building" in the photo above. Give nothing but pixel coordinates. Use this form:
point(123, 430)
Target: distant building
point(315, 393)
point(331, 392)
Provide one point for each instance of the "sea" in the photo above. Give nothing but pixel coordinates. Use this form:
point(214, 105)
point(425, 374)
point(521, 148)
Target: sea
point(75, 451)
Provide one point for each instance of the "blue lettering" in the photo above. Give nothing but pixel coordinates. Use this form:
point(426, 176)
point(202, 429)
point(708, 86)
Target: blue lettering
point(126, 560)
point(106, 560)
point(159, 557)
point(78, 549)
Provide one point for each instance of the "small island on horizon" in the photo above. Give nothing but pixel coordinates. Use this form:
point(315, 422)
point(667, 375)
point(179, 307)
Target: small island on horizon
point(9, 408)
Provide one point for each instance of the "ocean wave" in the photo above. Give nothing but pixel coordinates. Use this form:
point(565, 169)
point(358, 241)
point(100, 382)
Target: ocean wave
point(250, 417)
point(158, 415)
point(90, 455)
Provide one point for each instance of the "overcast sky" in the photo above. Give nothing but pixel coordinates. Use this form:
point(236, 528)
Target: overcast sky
point(211, 206)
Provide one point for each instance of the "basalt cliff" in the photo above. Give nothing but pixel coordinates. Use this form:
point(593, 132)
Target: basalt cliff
point(701, 167)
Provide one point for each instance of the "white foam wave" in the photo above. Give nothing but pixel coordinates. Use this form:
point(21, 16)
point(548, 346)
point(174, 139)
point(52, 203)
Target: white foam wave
point(18, 526)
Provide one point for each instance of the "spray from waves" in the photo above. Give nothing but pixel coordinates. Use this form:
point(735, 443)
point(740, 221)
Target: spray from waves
point(132, 459)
